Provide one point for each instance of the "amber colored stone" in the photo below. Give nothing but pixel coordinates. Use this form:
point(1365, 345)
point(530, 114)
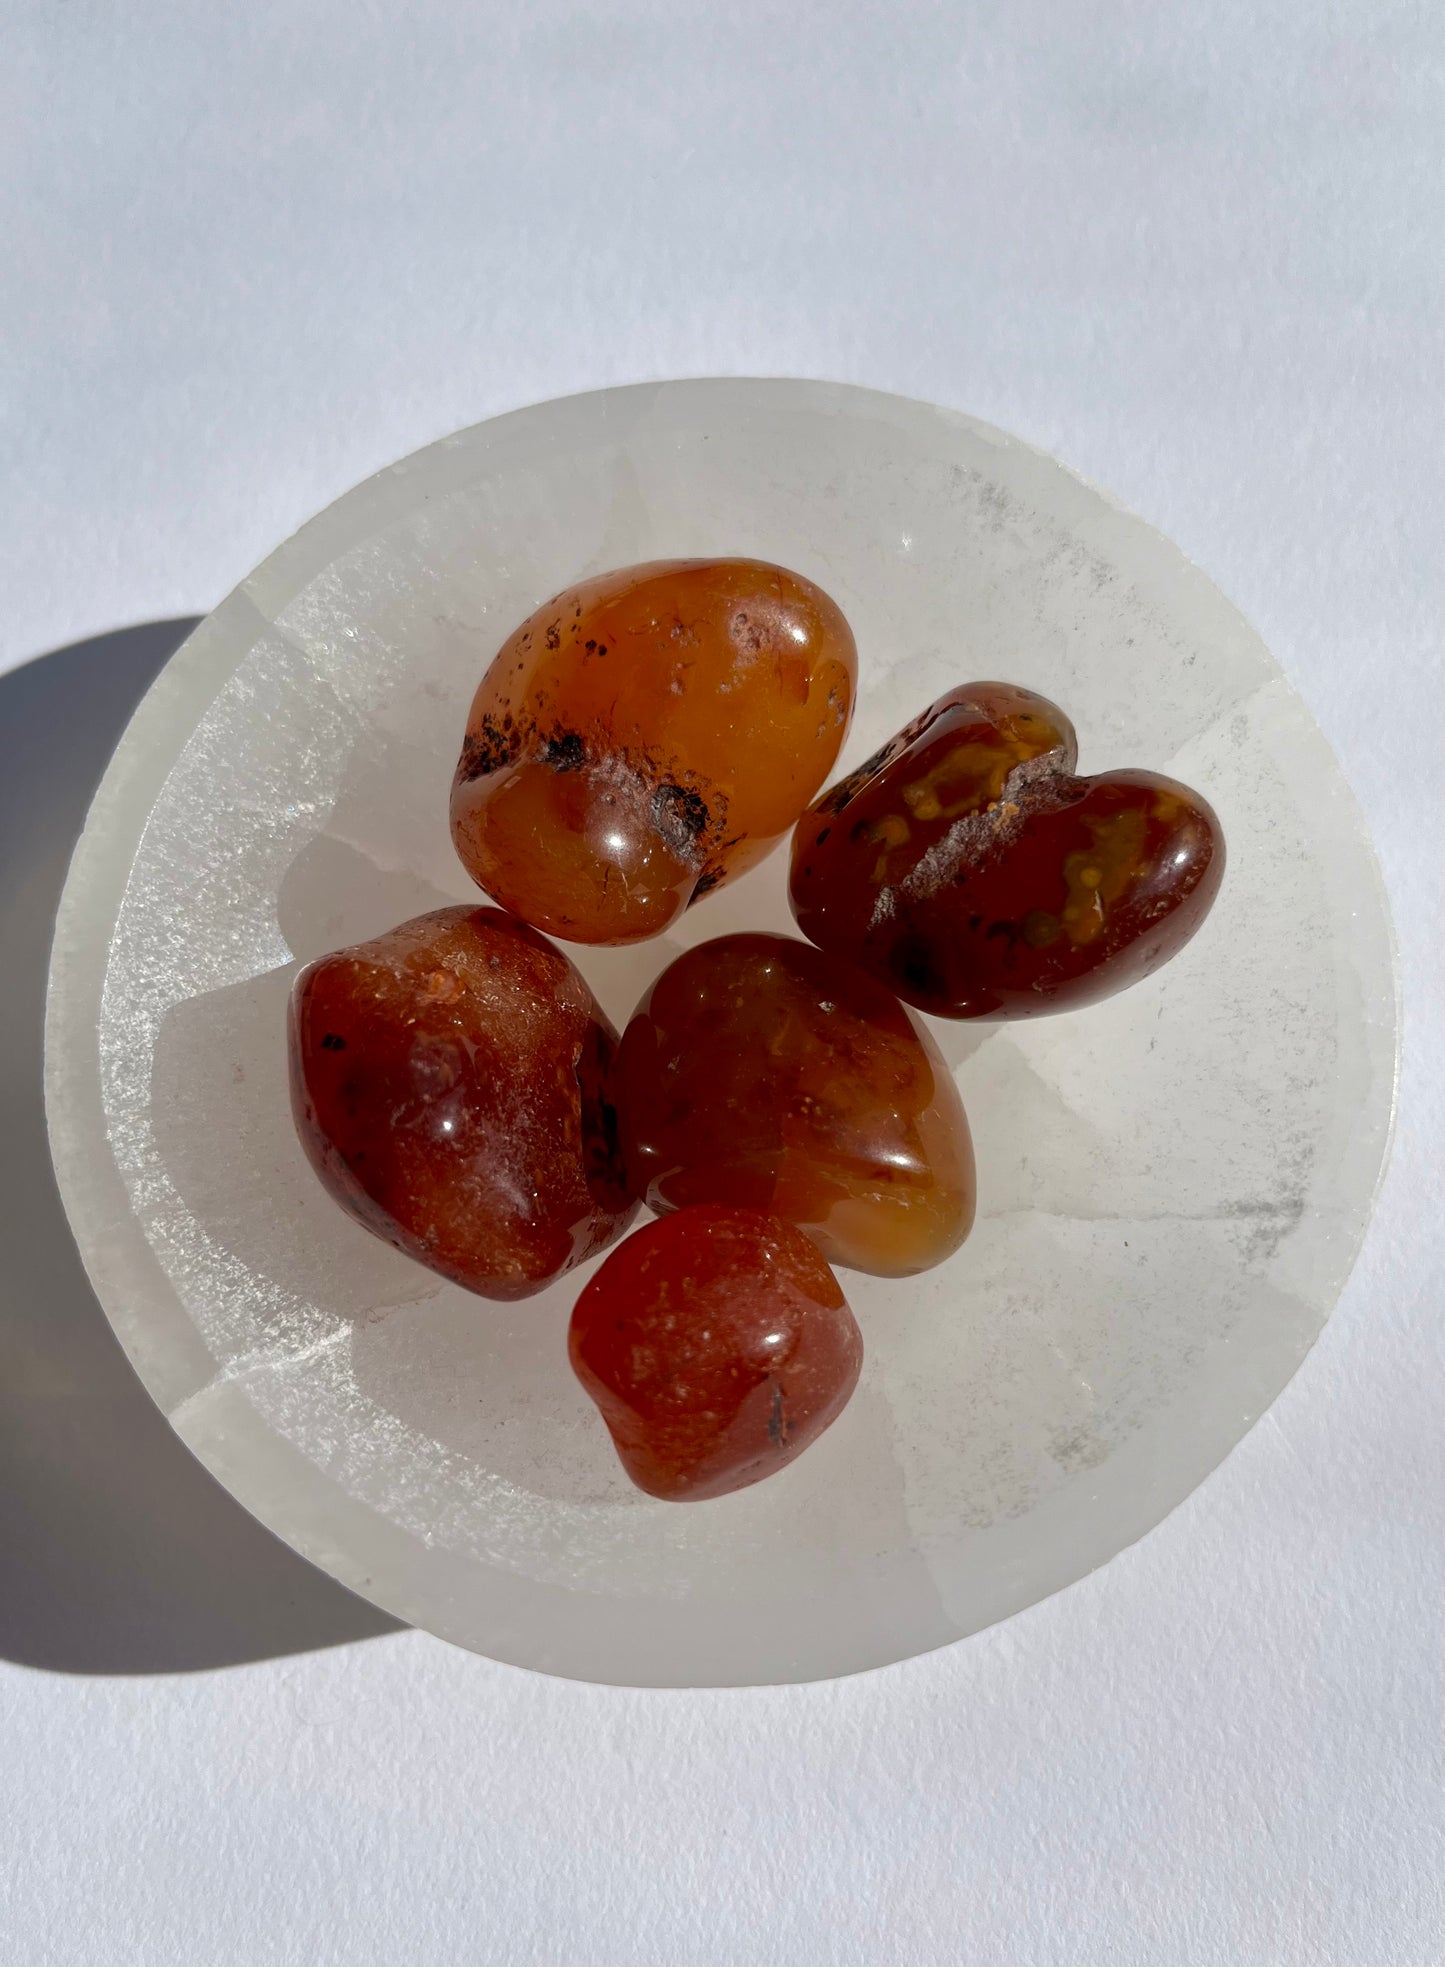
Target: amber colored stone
point(759, 1073)
point(968, 867)
point(646, 736)
point(451, 1084)
point(718, 1346)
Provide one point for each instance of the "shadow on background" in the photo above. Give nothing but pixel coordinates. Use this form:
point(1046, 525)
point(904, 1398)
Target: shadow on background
point(118, 1552)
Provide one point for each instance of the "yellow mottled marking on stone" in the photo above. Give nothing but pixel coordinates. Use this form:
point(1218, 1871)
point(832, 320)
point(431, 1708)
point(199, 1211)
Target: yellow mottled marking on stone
point(1096, 877)
point(1039, 928)
point(889, 832)
point(964, 780)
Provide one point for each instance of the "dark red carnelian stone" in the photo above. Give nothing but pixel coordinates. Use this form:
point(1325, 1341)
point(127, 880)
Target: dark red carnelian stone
point(718, 1346)
point(760, 1073)
point(451, 1083)
point(970, 868)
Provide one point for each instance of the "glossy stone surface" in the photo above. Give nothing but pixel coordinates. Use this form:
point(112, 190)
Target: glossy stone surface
point(717, 1345)
point(450, 1082)
point(969, 867)
point(760, 1073)
point(644, 737)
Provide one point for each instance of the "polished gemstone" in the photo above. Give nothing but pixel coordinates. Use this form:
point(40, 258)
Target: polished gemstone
point(646, 736)
point(968, 866)
point(717, 1346)
point(760, 1073)
point(451, 1084)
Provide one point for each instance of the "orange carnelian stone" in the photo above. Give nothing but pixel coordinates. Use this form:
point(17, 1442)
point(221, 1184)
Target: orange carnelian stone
point(718, 1346)
point(967, 866)
point(451, 1082)
point(761, 1073)
point(646, 736)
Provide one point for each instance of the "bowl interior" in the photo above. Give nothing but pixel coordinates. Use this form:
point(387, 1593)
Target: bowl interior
point(1171, 1185)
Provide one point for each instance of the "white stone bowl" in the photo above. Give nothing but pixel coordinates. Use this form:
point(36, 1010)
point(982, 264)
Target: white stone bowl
point(1172, 1185)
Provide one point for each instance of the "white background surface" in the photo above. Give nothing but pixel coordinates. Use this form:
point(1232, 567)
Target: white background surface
point(252, 253)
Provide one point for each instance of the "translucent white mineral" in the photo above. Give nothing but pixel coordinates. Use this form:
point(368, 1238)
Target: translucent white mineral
point(1172, 1184)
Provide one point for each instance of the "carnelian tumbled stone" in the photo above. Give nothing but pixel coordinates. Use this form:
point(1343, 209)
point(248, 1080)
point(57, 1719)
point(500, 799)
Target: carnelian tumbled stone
point(760, 1073)
point(646, 736)
point(968, 867)
point(451, 1084)
point(718, 1346)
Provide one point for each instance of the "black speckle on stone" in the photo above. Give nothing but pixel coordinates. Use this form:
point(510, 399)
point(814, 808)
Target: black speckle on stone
point(590, 645)
point(485, 751)
point(554, 635)
point(847, 790)
point(705, 885)
point(824, 835)
point(777, 1421)
point(564, 751)
point(333, 1042)
point(603, 1136)
point(914, 965)
point(680, 816)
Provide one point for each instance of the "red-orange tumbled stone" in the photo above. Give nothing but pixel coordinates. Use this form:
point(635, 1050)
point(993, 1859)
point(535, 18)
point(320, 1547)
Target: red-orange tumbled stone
point(970, 868)
point(760, 1073)
point(717, 1346)
point(646, 736)
point(451, 1084)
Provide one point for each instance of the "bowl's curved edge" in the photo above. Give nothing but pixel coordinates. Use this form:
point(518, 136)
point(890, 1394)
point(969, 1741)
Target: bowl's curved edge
point(122, 1270)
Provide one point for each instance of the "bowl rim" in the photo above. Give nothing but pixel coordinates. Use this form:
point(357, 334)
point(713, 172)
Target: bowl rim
point(189, 682)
